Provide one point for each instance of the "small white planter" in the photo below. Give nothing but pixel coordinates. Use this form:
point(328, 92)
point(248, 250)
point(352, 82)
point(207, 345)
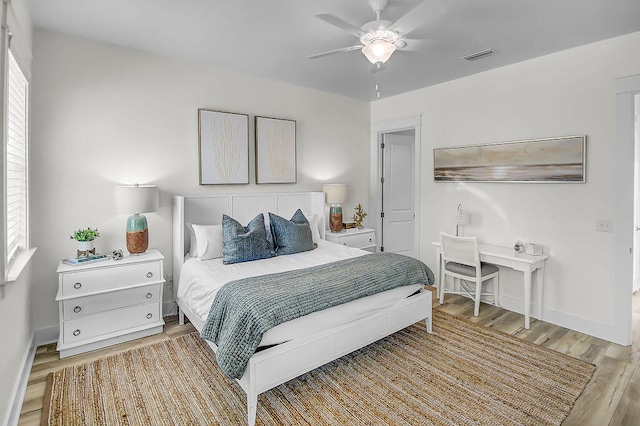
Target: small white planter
point(86, 245)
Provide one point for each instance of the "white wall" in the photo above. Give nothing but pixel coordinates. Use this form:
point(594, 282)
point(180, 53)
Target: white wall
point(105, 115)
point(15, 298)
point(16, 334)
point(567, 93)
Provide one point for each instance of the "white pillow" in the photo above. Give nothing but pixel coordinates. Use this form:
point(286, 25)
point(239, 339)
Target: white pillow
point(209, 241)
point(193, 245)
point(314, 223)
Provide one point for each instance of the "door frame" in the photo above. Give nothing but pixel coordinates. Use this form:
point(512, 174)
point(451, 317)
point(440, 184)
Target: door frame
point(636, 202)
point(626, 89)
point(377, 130)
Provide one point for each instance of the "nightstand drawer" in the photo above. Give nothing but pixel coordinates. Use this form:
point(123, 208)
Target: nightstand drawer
point(358, 240)
point(96, 280)
point(108, 322)
point(88, 305)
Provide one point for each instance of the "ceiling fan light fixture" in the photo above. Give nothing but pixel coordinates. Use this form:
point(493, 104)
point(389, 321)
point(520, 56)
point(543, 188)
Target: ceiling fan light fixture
point(379, 45)
point(379, 51)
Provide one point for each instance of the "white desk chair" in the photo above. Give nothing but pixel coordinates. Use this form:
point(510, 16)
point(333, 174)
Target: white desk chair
point(461, 261)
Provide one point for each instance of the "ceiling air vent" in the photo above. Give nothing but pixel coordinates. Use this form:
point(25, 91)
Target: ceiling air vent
point(479, 55)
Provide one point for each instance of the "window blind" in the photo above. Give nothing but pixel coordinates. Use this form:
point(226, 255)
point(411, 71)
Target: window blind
point(16, 159)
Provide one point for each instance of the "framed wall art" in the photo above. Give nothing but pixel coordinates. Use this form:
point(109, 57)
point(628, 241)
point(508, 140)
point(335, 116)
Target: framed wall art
point(275, 150)
point(552, 160)
point(223, 141)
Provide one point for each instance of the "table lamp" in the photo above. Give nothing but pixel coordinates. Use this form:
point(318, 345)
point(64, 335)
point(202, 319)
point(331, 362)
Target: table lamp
point(136, 199)
point(336, 195)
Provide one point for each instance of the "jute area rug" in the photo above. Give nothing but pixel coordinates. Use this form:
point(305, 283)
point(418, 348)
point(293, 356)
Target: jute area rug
point(462, 374)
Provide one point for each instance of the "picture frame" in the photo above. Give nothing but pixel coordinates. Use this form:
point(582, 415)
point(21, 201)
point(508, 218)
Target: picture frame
point(223, 147)
point(275, 150)
point(550, 160)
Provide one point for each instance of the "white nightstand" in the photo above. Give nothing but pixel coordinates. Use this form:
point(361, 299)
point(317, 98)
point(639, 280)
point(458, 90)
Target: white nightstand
point(364, 238)
point(109, 302)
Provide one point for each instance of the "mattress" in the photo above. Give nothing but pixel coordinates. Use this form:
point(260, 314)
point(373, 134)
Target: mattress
point(200, 281)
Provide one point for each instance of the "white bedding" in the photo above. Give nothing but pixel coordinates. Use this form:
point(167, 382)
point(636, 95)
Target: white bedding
point(200, 281)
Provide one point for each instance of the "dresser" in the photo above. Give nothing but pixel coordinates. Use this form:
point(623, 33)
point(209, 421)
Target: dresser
point(109, 302)
point(364, 238)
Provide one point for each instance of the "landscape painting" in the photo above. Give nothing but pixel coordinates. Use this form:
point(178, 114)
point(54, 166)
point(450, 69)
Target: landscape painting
point(550, 160)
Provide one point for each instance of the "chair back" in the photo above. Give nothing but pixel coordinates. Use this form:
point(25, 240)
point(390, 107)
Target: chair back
point(462, 250)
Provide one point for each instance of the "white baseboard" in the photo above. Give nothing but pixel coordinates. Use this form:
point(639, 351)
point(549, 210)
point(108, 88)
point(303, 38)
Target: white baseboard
point(169, 308)
point(583, 325)
point(20, 386)
point(562, 319)
point(44, 336)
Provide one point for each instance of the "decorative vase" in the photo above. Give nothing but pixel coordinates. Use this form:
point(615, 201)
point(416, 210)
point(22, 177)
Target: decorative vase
point(85, 248)
point(137, 234)
point(335, 218)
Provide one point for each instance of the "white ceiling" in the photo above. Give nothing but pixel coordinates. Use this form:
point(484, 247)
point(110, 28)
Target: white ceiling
point(272, 38)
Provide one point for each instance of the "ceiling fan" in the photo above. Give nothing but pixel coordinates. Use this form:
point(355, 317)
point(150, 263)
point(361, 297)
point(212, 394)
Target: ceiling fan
point(379, 38)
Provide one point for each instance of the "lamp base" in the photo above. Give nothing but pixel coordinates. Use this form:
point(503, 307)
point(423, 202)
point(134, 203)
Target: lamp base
point(137, 234)
point(335, 218)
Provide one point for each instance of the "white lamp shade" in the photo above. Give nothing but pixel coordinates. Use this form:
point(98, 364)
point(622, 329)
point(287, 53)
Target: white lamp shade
point(378, 51)
point(136, 198)
point(336, 192)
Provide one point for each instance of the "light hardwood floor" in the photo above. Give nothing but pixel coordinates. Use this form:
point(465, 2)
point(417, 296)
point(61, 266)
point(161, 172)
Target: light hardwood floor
point(611, 398)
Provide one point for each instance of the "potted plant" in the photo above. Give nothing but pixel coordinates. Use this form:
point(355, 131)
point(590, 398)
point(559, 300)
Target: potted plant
point(85, 238)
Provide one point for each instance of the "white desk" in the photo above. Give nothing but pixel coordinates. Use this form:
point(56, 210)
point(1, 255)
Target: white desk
point(506, 256)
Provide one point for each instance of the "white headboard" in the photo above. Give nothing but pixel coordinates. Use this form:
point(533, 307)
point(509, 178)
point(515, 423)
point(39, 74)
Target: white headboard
point(241, 207)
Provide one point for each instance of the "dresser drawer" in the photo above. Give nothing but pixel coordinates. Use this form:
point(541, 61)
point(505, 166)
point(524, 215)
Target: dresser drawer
point(96, 280)
point(119, 320)
point(89, 305)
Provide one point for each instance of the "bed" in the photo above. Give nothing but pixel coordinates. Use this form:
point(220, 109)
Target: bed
point(300, 345)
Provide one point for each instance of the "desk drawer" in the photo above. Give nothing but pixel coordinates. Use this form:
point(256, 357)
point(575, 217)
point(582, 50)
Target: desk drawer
point(95, 280)
point(89, 305)
point(109, 322)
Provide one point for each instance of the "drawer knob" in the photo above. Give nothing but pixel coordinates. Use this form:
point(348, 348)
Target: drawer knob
point(76, 332)
point(370, 240)
point(77, 309)
point(149, 274)
point(149, 296)
point(77, 285)
point(149, 315)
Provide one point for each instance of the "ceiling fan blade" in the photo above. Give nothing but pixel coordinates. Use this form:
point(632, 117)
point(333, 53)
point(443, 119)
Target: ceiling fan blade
point(418, 16)
point(343, 25)
point(331, 52)
point(416, 45)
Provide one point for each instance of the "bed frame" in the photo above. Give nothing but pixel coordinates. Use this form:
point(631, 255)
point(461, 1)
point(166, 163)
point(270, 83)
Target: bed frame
point(276, 365)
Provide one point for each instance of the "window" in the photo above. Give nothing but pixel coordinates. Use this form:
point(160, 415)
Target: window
point(16, 251)
point(16, 160)
point(15, 72)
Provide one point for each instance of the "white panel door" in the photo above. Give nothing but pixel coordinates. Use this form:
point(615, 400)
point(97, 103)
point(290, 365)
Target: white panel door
point(398, 194)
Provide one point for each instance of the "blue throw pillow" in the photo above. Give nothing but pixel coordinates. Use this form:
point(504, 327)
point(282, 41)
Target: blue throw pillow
point(242, 244)
point(291, 236)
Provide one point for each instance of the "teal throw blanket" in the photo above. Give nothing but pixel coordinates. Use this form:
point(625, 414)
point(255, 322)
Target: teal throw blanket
point(243, 310)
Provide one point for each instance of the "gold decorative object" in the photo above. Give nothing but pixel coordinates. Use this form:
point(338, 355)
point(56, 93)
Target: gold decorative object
point(359, 215)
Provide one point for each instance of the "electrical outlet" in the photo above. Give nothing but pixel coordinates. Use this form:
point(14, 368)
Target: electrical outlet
point(604, 225)
point(169, 280)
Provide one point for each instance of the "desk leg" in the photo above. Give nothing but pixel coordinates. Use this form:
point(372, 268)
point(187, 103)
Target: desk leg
point(540, 285)
point(437, 277)
point(527, 298)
